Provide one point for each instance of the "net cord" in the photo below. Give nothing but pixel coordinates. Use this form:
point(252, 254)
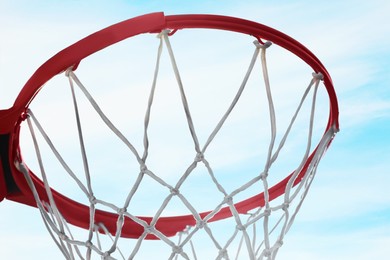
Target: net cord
point(57, 225)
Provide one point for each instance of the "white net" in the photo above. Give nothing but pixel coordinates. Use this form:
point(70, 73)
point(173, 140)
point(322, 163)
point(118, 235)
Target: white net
point(224, 229)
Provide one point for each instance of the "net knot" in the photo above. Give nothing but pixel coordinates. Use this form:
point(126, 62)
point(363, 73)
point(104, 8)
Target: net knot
point(143, 168)
point(229, 200)
point(62, 236)
point(106, 256)
point(92, 199)
point(177, 249)
point(174, 191)
point(199, 157)
point(267, 212)
point(267, 252)
point(223, 254)
point(200, 224)
point(149, 229)
point(240, 227)
point(279, 243)
point(88, 244)
point(262, 45)
point(121, 211)
point(263, 176)
point(317, 76)
point(285, 206)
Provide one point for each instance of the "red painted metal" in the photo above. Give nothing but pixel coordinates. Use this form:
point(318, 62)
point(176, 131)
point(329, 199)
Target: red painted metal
point(12, 183)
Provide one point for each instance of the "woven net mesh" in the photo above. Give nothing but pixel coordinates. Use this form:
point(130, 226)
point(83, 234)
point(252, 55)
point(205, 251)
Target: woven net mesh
point(224, 230)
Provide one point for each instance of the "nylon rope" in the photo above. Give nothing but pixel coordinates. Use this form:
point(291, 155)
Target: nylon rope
point(69, 246)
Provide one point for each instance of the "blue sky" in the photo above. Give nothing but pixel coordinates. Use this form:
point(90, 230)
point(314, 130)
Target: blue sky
point(347, 212)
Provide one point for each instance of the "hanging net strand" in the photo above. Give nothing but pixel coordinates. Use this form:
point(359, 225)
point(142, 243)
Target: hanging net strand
point(253, 228)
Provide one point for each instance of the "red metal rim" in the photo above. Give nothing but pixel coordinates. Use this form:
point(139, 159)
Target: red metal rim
point(74, 54)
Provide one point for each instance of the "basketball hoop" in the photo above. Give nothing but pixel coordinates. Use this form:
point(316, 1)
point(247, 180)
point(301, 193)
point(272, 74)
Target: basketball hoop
point(177, 233)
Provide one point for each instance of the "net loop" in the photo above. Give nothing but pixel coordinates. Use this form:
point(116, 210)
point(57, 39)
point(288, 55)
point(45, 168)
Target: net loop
point(264, 45)
point(165, 33)
point(68, 71)
point(318, 76)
